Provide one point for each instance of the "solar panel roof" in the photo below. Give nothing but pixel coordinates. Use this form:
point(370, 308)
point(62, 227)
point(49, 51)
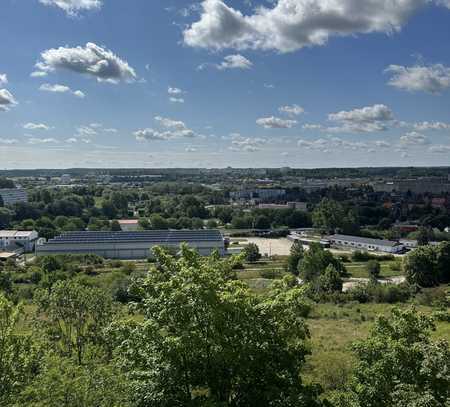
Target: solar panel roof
point(151, 236)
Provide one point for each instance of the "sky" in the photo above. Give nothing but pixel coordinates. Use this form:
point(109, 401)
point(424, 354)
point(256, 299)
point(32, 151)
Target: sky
point(241, 83)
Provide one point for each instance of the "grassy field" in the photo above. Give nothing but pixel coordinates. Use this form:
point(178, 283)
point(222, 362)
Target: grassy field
point(334, 327)
point(358, 269)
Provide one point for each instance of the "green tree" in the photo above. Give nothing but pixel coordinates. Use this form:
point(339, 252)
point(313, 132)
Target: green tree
point(373, 268)
point(398, 364)
point(251, 252)
point(61, 382)
point(330, 280)
point(207, 340)
point(5, 218)
point(423, 236)
point(315, 261)
point(262, 222)
point(19, 355)
point(420, 267)
point(296, 254)
point(328, 215)
point(75, 316)
point(158, 222)
point(443, 262)
point(115, 226)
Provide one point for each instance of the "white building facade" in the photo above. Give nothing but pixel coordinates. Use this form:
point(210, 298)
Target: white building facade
point(24, 239)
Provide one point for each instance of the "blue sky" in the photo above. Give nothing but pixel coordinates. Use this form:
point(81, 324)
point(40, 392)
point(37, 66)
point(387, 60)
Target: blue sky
point(301, 83)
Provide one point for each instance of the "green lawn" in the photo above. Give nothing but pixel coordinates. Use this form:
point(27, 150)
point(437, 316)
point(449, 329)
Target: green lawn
point(358, 269)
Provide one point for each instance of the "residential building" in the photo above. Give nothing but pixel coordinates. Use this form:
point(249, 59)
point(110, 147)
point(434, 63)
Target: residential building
point(132, 245)
point(10, 196)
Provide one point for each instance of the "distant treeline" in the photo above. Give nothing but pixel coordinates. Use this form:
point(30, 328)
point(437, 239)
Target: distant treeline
point(393, 172)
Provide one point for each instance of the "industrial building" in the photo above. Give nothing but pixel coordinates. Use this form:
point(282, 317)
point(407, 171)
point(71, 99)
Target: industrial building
point(129, 225)
point(10, 196)
point(132, 245)
point(12, 240)
point(363, 243)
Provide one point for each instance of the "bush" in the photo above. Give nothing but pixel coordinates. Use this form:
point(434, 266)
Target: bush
point(359, 255)
point(270, 274)
point(252, 253)
point(374, 269)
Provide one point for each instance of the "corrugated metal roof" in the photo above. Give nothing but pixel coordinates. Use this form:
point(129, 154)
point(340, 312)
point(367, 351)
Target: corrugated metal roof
point(363, 240)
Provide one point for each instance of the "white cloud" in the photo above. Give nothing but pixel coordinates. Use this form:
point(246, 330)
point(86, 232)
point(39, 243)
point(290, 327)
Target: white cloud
point(246, 144)
point(174, 91)
point(367, 119)
point(3, 79)
point(72, 140)
point(34, 140)
point(171, 129)
point(235, 61)
point(7, 100)
point(293, 24)
point(72, 7)
point(36, 126)
point(57, 88)
point(293, 110)
point(309, 126)
point(150, 135)
point(86, 131)
point(423, 126)
point(190, 149)
point(38, 74)
point(275, 123)
point(439, 149)
point(382, 144)
point(8, 142)
point(413, 138)
point(431, 79)
point(79, 94)
point(91, 60)
point(176, 100)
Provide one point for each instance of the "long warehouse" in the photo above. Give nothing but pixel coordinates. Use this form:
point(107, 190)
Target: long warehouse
point(132, 245)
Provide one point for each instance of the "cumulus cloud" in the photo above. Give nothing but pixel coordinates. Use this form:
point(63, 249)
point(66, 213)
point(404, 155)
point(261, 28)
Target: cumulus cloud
point(57, 88)
point(365, 120)
point(170, 129)
point(174, 91)
point(72, 7)
point(413, 138)
point(235, 61)
point(91, 60)
point(432, 79)
point(36, 126)
point(293, 110)
point(7, 100)
point(86, 131)
point(423, 126)
point(3, 79)
point(275, 123)
point(294, 24)
point(246, 144)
